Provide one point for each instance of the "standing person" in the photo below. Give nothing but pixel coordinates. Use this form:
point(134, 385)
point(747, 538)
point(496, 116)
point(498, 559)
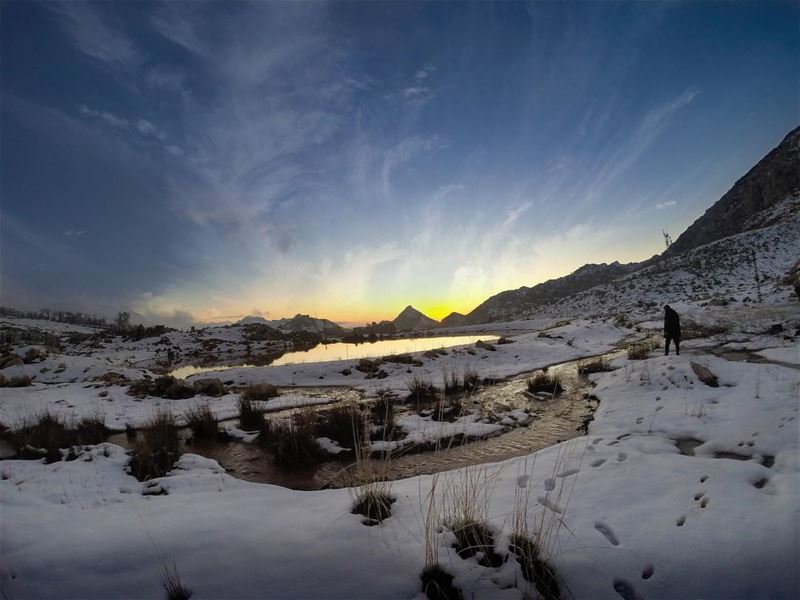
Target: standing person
point(672, 330)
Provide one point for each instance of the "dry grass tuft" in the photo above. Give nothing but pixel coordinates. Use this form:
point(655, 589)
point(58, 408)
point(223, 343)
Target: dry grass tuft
point(545, 382)
point(171, 582)
point(201, 421)
point(156, 450)
point(250, 413)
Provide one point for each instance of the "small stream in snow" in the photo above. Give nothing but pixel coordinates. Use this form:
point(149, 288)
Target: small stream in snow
point(552, 420)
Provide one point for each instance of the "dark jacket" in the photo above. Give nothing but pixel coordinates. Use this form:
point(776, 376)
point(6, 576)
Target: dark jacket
point(672, 324)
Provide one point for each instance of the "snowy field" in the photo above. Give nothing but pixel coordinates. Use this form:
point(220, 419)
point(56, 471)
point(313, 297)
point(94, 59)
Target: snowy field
point(679, 490)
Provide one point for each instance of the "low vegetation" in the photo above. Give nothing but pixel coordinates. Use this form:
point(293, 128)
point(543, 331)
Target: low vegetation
point(534, 568)
point(638, 352)
point(343, 424)
point(15, 382)
point(259, 392)
point(172, 584)
point(421, 391)
point(294, 441)
point(593, 365)
point(201, 421)
point(251, 414)
point(156, 448)
point(544, 381)
point(46, 434)
point(437, 584)
point(454, 382)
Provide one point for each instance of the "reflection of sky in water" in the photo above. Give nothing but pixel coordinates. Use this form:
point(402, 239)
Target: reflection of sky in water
point(342, 351)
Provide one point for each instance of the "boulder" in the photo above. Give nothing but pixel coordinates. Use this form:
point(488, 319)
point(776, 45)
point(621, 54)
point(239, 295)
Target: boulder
point(704, 375)
point(209, 386)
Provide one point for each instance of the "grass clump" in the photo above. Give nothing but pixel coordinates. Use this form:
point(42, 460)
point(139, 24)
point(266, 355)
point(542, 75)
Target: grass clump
point(156, 449)
point(638, 352)
point(421, 391)
point(172, 584)
point(294, 441)
point(259, 392)
point(201, 421)
point(597, 365)
point(467, 380)
point(534, 568)
point(467, 499)
point(543, 381)
point(47, 434)
point(16, 381)
point(250, 414)
point(344, 424)
point(437, 584)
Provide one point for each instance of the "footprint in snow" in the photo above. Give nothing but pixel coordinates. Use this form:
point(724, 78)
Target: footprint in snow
point(648, 571)
point(704, 502)
point(681, 520)
point(522, 481)
point(698, 496)
point(549, 484)
point(640, 420)
point(622, 456)
point(598, 462)
point(704, 478)
point(568, 472)
point(625, 589)
point(607, 532)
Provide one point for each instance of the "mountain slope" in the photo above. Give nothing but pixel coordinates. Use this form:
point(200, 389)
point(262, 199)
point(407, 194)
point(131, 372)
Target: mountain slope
point(766, 196)
point(410, 319)
point(775, 177)
point(503, 305)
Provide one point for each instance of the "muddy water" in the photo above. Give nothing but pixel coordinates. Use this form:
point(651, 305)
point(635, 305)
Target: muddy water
point(553, 420)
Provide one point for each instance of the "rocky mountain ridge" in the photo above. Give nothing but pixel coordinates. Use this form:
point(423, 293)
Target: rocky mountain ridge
point(765, 197)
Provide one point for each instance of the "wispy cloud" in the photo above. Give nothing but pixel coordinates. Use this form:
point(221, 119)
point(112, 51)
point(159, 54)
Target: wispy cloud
point(92, 33)
point(667, 204)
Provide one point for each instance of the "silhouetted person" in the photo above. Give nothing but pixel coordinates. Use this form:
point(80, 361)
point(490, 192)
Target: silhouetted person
point(672, 330)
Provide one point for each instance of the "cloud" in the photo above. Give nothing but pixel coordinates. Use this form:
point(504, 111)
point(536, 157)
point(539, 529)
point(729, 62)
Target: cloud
point(73, 233)
point(146, 128)
point(92, 34)
point(105, 116)
point(667, 204)
point(404, 152)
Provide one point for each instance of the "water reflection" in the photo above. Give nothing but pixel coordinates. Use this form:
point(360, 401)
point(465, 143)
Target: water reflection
point(347, 351)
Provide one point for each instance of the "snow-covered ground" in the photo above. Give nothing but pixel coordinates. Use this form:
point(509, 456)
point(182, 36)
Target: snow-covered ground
point(680, 490)
point(67, 385)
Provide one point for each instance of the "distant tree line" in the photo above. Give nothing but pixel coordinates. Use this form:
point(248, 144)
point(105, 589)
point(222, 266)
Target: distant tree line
point(60, 316)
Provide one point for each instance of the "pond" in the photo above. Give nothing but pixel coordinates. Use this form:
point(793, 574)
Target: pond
point(348, 351)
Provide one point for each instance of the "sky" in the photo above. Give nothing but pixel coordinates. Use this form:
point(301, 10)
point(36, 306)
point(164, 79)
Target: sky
point(197, 162)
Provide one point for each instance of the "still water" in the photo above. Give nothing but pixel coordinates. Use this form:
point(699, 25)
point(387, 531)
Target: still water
point(345, 351)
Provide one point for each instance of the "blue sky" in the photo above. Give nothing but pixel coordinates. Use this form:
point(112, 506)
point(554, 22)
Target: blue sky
point(201, 161)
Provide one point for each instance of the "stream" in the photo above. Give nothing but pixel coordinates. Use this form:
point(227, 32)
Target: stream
point(553, 420)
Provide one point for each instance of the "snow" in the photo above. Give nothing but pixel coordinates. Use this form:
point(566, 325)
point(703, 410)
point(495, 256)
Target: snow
point(630, 501)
